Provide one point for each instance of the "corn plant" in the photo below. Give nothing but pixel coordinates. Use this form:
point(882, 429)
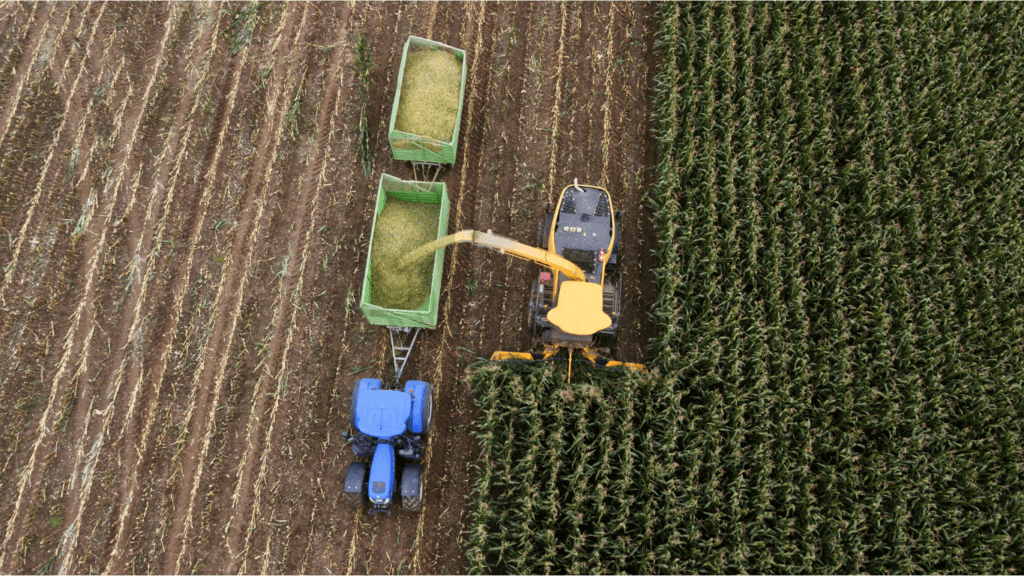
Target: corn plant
point(839, 321)
point(364, 70)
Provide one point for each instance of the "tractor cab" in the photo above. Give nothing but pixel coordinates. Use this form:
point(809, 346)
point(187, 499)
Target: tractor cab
point(387, 424)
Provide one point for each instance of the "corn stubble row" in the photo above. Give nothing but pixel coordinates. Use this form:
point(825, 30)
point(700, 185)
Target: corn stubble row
point(838, 386)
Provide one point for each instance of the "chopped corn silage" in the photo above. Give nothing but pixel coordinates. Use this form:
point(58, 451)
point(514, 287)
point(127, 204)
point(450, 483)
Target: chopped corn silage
point(431, 85)
point(401, 227)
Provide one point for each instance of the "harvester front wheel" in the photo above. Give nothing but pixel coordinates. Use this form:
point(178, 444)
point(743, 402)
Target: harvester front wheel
point(355, 484)
point(412, 488)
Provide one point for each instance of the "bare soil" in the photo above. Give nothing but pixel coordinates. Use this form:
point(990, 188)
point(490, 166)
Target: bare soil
point(185, 224)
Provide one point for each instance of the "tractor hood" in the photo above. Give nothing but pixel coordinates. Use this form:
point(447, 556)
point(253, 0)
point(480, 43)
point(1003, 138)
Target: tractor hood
point(383, 413)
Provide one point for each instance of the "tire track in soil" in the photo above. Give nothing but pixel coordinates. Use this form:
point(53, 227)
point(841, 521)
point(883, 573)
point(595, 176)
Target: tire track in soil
point(94, 250)
point(627, 167)
point(127, 351)
point(166, 333)
point(325, 131)
point(506, 207)
point(236, 270)
point(476, 103)
point(364, 551)
point(248, 492)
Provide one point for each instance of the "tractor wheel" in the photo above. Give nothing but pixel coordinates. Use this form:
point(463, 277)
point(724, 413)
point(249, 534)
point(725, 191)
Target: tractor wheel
point(412, 488)
point(355, 484)
point(352, 409)
point(428, 410)
point(543, 228)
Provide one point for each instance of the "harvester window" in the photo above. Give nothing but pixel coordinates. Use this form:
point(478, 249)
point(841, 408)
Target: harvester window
point(568, 203)
point(582, 258)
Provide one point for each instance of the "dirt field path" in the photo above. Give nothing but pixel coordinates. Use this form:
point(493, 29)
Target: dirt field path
point(185, 225)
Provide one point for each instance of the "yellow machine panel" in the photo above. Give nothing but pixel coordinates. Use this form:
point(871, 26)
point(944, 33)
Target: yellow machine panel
point(579, 309)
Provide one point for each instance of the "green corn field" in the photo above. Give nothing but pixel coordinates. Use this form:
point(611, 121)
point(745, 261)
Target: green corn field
point(839, 364)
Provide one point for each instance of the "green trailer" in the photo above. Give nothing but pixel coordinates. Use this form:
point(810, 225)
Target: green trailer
point(417, 148)
point(404, 325)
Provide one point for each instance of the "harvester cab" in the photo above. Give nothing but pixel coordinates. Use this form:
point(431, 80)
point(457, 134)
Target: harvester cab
point(571, 312)
point(389, 428)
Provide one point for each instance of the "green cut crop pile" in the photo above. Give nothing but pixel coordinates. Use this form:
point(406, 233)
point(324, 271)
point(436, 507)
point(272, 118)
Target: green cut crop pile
point(431, 87)
point(839, 379)
point(401, 226)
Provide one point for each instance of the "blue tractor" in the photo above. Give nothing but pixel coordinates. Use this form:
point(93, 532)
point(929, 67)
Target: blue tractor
point(386, 423)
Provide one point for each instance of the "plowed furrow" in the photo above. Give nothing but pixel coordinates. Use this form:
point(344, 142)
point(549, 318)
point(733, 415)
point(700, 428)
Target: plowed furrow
point(134, 457)
point(41, 19)
point(248, 491)
point(127, 352)
point(83, 312)
point(165, 342)
point(210, 376)
point(40, 189)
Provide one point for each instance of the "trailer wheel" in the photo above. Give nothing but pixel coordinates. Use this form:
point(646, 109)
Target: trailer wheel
point(412, 488)
point(355, 484)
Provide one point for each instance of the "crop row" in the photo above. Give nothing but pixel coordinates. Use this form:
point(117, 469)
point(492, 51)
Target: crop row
point(837, 385)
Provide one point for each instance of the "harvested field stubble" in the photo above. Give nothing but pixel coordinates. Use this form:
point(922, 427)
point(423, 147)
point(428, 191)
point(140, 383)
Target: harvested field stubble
point(402, 226)
point(430, 94)
point(183, 235)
